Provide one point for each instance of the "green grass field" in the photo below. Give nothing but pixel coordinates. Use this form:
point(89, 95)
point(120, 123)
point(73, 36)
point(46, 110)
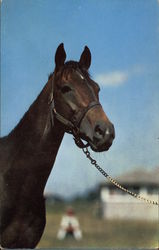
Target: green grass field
point(98, 232)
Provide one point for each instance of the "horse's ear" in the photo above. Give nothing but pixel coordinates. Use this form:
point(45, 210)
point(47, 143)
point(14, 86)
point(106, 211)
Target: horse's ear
point(85, 59)
point(60, 56)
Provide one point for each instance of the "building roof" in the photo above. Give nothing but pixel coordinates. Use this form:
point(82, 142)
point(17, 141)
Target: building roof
point(139, 177)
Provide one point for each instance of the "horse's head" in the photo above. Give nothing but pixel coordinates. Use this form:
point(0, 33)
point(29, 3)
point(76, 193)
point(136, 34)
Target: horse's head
point(76, 101)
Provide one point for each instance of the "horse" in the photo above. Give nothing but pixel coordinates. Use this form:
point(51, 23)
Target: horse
point(69, 102)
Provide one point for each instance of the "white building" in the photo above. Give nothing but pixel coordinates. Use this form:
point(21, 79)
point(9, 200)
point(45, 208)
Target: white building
point(117, 204)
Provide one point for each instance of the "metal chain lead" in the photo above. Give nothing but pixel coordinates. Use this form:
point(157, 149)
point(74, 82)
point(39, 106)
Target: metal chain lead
point(102, 171)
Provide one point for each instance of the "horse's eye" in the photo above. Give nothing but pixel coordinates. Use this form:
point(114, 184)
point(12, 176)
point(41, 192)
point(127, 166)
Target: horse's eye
point(65, 89)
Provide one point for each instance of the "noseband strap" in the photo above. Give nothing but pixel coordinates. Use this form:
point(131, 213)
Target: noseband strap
point(79, 116)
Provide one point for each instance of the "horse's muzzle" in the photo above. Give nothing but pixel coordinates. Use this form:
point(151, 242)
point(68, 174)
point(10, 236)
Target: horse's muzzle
point(104, 135)
point(101, 137)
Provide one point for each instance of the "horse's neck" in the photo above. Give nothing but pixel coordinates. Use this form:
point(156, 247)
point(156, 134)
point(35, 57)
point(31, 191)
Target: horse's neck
point(34, 142)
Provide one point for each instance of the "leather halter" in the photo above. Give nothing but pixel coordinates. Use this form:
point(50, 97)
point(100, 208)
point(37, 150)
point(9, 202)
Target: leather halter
point(72, 126)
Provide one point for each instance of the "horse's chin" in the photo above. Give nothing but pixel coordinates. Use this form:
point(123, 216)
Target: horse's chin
point(99, 148)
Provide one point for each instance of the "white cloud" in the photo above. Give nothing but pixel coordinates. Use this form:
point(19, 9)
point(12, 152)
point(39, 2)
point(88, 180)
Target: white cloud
point(119, 77)
point(114, 78)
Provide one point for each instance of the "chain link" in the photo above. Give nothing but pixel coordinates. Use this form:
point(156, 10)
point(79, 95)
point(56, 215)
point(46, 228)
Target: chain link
point(102, 171)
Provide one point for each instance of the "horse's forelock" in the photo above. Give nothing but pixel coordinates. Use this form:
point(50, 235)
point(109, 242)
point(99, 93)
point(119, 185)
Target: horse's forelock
point(68, 68)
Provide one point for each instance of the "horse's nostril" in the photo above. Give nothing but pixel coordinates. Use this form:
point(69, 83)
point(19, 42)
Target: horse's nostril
point(98, 131)
point(103, 131)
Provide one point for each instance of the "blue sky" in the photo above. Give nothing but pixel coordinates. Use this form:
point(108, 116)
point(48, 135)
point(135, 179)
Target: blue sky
point(123, 37)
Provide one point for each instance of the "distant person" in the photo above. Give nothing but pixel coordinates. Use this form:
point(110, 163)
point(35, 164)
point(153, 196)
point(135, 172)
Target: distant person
point(69, 226)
